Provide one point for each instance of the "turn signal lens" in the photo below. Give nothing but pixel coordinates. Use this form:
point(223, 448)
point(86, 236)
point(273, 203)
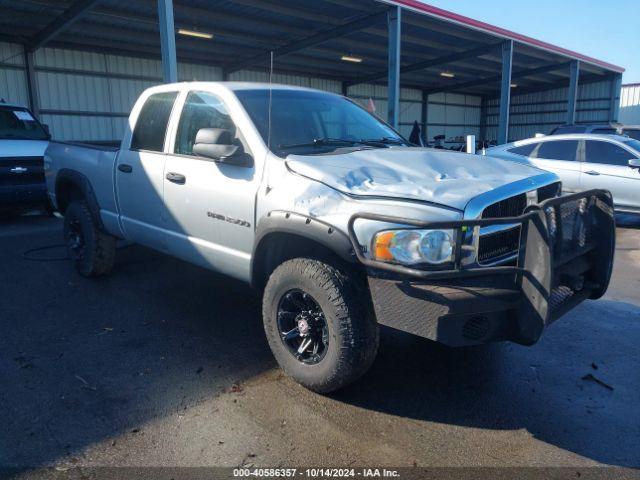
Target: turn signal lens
point(381, 246)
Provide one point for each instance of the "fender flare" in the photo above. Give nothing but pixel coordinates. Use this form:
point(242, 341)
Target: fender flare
point(303, 226)
point(84, 185)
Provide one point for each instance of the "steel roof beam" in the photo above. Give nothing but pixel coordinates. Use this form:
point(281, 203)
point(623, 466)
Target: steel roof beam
point(476, 52)
point(584, 80)
point(505, 92)
point(394, 25)
point(572, 96)
point(497, 78)
point(311, 41)
point(167, 41)
point(61, 23)
point(614, 105)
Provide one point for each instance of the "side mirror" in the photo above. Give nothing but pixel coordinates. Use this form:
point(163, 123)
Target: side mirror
point(634, 163)
point(218, 145)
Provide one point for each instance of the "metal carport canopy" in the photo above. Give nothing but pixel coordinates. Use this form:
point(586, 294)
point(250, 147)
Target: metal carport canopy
point(399, 42)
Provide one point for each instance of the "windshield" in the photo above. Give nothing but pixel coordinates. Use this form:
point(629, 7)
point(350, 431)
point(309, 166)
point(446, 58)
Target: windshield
point(18, 124)
point(635, 144)
point(312, 122)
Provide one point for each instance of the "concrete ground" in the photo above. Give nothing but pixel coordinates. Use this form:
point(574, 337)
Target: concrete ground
point(163, 363)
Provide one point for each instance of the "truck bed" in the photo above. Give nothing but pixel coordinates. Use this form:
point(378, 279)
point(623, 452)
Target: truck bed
point(94, 162)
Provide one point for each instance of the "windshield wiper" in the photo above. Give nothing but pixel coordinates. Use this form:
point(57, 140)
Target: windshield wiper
point(321, 142)
point(382, 141)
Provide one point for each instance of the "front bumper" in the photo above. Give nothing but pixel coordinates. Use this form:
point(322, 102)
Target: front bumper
point(565, 256)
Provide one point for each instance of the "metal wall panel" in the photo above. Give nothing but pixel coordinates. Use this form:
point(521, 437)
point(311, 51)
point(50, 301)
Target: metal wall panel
point(11, 53)
point(134, 66)
point(124, 93)
point(630, 104)
point(86, 95)
point(70, 59)
point(297, 80)
point(453, 115)
point(198, 73)
point(80, 127)
point(69, 92)
point(540, 112)
point(13, 82)
point(448, 114)
point(13, 86)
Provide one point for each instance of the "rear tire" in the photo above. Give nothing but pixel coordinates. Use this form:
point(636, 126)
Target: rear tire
point(342, 337)
point(91, 250)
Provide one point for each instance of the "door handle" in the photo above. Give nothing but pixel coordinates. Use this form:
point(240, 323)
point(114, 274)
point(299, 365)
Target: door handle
point(124, 168)
point(176, 178)
point(592, 172)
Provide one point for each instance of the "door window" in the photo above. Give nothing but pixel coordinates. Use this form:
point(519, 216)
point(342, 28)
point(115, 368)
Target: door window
point(151, 126)
point(524, 150)
point(558, 150)
point(568, 129)
point(605, 131)
point(201, 110)
point(606, 153)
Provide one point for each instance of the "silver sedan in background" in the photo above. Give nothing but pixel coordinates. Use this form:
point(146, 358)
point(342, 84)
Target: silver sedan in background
point(584, 161)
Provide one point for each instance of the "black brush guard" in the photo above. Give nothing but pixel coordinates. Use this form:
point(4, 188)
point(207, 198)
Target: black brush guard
point(565, 256)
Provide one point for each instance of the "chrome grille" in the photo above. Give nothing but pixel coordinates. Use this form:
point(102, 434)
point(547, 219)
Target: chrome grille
point(549, 191)
point(493, 246)
point(33, 174)
point(509, 207)
point(499, 244)
point(503, 243)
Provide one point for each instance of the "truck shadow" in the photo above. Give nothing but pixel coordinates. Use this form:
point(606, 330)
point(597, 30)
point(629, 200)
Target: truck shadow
point(552, 390)
point(85, 361)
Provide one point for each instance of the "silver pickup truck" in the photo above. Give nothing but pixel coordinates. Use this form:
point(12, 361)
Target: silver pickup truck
point(338, 222)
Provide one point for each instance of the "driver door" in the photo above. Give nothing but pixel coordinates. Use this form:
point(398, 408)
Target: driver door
point(210, 205)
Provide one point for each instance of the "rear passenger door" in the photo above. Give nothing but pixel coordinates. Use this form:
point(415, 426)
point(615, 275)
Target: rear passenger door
point(606, 165)
point(559, 157)
point(139, 175)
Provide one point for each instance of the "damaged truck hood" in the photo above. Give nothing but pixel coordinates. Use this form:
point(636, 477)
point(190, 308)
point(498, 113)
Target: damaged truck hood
point(436, 176)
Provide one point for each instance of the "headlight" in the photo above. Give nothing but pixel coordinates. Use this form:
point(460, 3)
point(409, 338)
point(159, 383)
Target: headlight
point(411, 247)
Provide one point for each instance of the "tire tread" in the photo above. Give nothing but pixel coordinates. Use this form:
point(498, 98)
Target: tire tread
point(359, 331)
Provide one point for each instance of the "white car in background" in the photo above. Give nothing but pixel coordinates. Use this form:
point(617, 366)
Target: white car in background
point(583, 162)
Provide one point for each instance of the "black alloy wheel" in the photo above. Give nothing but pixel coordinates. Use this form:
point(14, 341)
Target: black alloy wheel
point(303, 327)
point(75, 240)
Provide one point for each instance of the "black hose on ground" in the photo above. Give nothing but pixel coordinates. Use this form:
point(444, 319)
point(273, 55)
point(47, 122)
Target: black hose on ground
point(28, 254)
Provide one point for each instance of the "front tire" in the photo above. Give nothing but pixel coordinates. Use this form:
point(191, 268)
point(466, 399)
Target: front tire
point(91, 250)
point(318, 328)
